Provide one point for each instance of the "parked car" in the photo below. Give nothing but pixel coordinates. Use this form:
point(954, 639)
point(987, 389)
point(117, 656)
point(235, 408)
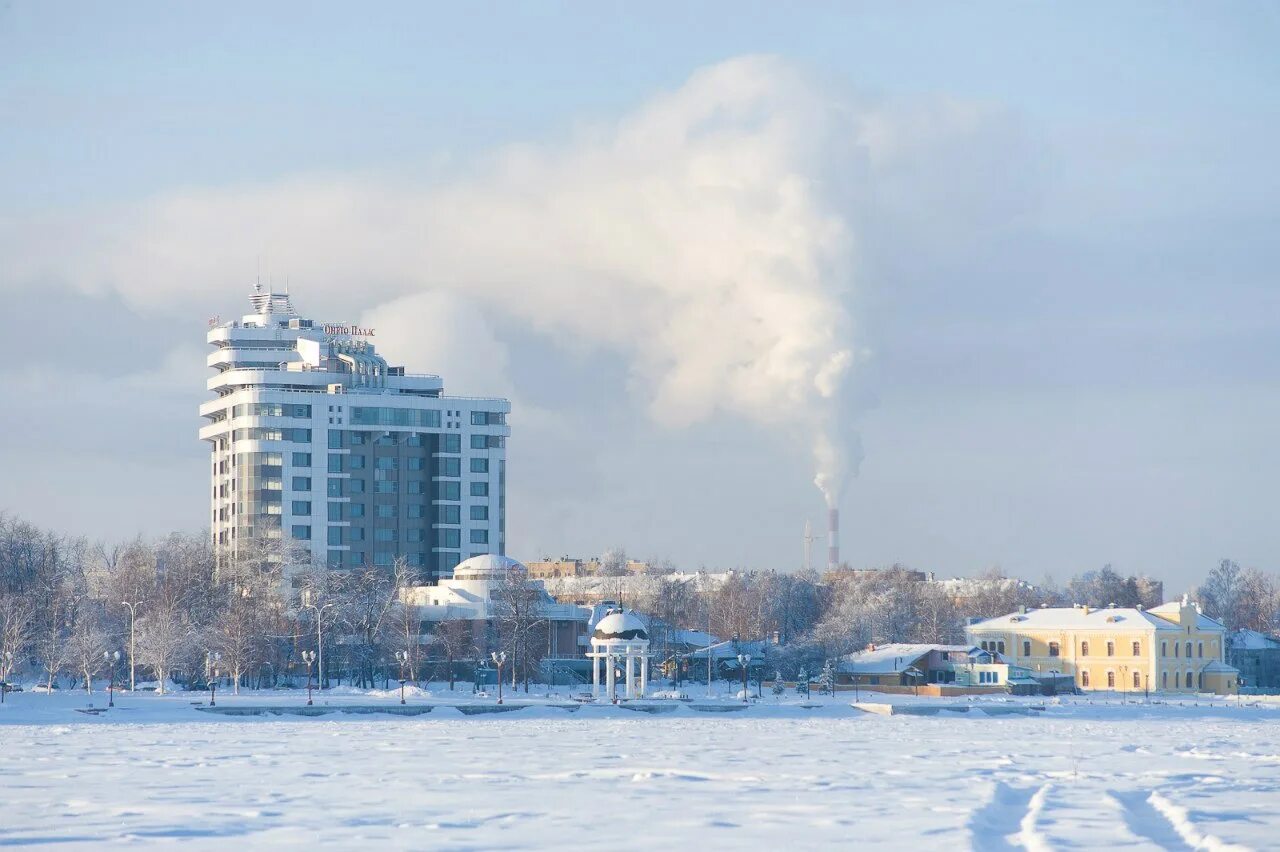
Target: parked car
point(11, 687)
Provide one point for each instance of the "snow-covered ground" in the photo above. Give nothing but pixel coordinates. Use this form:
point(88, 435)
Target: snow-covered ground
point(1094, 775)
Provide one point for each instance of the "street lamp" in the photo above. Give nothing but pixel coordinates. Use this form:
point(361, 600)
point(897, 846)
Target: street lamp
point(211, 663)
point(319, 637)
point(133, 621)
point(499, 658)
point(743, 661)
point(308, 657)
point(111, 658)
point(403, 658)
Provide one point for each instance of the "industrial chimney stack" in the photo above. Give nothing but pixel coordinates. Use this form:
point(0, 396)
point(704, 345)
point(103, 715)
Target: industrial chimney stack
point(833, 539)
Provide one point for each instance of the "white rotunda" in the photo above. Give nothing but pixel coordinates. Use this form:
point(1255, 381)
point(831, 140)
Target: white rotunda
point(619, 636)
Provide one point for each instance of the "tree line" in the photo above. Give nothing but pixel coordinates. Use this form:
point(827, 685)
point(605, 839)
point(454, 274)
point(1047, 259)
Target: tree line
point(177, 613)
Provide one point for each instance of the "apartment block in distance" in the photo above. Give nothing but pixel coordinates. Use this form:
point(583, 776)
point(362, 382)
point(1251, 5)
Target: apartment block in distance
point(316, 440)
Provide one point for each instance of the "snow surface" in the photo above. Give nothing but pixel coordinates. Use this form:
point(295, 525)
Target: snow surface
point(1193, 773)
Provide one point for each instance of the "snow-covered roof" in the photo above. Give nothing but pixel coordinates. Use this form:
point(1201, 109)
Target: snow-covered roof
point(1077, 618)
point(1203, 622)
point(487, 565)
point(729, 649)
point(1219, 667)
point(1252, 640)
point(620, 626)
point(886, 659)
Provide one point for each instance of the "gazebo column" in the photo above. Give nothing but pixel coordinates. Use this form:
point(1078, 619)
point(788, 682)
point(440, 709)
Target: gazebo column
point(644, 672)
point(595, 674)
point(631, 673)
point(610, 679)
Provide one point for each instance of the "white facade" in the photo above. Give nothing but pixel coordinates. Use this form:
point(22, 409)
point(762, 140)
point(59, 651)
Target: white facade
point(317, 441)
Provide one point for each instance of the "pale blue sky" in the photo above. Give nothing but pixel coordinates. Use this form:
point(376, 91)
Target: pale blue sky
point(1091, 379)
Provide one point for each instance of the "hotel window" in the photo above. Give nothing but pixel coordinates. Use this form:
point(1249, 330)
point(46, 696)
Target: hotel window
point(1054, 650)
point(479, 513)
point(357, 438)
point(386, 510)
point(1199, 649)
point(413, 535)
point(479, 442)
point(1188, 650)
point(414, 440)
point(479, 489)
point(335, 486)
point(448, 514)
point(416, 510)
point(302, 532)
point(302, 459)
point(335, 511)
point(450, 467)
point(382, 558)
point(479, 536)
point(335, 439)
point(1026, 648)
point(1188, 680)
point(335, 535)
point(416, 463)
point(385, 486)
point(1111, 649)
point(1111, 680)
point(450, 538)
point(451, 444)
point(302, 483)
point(386, 463)
point(356, 485)
point(1175, 648)
point(479, 465)
point(1084, 678)
point(357, 510)
point(1164, 649)
point(384, 534)
point(357, 462)
point(357, 533)
point(302, 507)
point(335, 463)
point(449, 491)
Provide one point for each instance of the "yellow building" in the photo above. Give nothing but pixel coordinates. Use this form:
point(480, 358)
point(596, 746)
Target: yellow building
point(1172, 648)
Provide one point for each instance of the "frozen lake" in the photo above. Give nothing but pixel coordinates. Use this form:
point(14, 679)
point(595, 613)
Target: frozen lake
point(154, 770)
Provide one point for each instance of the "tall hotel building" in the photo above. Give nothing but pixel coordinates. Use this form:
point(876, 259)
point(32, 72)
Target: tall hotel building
point(315, 438)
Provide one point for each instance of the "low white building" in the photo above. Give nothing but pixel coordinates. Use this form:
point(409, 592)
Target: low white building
point(472, 596)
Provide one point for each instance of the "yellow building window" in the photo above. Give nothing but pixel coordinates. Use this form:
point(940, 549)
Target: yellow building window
point(1084, 649)
point(1137, 649)
point(1111, 649)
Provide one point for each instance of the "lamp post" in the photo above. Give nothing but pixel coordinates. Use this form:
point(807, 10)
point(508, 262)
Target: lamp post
point(319, 610)
point(743, 661)
point(403, 658)
point(308, 657)
point(499, 658)
point(111, 658)
point(7, 659)
point(211, 663)
point(133, 621)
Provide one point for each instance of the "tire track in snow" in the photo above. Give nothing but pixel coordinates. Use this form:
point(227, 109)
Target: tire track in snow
point(1146, 822)
point(1179, 819)
point(1008, 820)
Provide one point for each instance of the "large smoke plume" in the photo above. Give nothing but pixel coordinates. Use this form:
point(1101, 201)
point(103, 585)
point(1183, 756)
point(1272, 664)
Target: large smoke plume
point(710, 238)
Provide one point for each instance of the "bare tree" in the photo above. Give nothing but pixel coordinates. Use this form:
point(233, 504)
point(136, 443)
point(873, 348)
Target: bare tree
point(164, 636)
point(453, 637)
point(87, 643)
point(17, 619)
point(518, 602)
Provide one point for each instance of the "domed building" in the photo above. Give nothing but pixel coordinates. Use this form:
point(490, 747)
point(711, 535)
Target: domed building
point(469, 597)
point(620, 636)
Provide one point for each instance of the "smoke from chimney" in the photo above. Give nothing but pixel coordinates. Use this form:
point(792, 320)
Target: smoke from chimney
point(833, 539)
